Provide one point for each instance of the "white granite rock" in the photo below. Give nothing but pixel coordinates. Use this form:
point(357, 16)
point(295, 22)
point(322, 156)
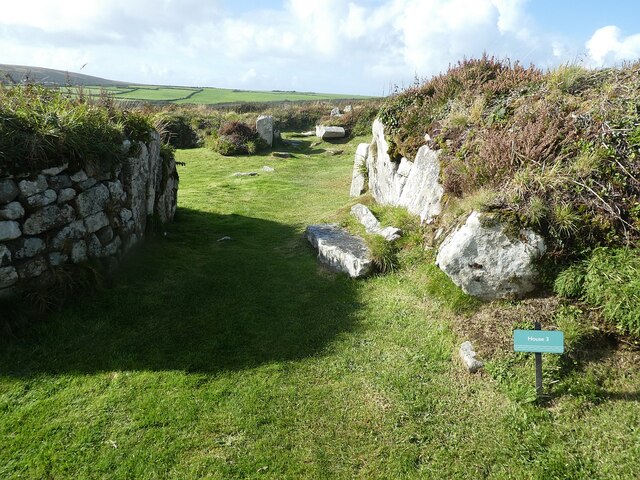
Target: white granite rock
point(357, 177)
point(481, 259)
point(340, 251)
point(468, 356)
point(422, 192)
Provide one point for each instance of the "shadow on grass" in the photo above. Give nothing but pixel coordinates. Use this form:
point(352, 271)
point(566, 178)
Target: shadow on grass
point(185, 301)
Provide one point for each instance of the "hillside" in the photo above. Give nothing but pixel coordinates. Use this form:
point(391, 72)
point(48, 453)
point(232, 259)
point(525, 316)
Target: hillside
point(48, 76)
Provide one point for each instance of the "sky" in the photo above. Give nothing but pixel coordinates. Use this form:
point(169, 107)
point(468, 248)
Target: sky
point(332, 46)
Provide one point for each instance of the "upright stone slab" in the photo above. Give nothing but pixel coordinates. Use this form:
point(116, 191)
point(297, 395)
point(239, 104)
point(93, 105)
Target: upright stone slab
point(422, 192)
point(264, 126)
point(339, 250)
point(359, 164)
point(384, 182)
point(485, 262)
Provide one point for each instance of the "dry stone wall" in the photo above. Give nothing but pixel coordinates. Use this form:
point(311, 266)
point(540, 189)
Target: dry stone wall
point(62, 217)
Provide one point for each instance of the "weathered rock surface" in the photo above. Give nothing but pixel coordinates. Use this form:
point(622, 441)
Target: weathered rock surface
point(28, 247)
point(32, 187)
point(8, 190)
point(468, 356)
point(49, 217)
point(325, 133)
point(42, 199)
point(335, 112)
point(8, 277)
point(422, 192)
point(359, 164)
point(264, 126)
point(372, 225)
point(245, 174)
point(339, 250)
point(12, 211)
point(9, 230)
point(413, 185)
point(481, 259)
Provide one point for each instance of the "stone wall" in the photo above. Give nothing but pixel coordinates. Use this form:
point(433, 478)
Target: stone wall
point(62, 217)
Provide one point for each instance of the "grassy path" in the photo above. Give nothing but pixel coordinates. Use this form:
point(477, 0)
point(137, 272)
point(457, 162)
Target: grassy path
point(242, 359)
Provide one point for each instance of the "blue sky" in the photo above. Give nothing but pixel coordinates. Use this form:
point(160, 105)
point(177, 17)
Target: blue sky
point(342, 46)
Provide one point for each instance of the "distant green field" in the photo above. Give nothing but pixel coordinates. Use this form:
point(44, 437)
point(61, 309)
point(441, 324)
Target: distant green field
point(207, 96)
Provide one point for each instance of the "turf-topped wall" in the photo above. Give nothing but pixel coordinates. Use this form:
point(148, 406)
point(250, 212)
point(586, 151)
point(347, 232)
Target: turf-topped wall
point(62, 215)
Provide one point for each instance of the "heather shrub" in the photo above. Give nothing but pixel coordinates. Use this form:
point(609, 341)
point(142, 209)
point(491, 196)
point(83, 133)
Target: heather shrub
point(235, 138)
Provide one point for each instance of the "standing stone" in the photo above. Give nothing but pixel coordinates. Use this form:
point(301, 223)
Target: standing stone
point(136, 171)
point(32, 187)
point(335, 112)
point(325, 133)
point(422, 192)
point(12, 211)
point(8, 190)
point(348, 109)
point(384, 183)
point(359, 164)
point(481, 259)
point(9, 230)
point(264, 126)
point(49, 217)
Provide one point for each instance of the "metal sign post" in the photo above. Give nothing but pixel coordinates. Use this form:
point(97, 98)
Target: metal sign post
point(538, 341)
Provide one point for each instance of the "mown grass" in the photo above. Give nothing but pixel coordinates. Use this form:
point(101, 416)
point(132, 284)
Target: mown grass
point(244, 359)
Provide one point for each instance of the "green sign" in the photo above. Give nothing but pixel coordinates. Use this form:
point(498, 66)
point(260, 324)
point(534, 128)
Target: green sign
point(539, 341)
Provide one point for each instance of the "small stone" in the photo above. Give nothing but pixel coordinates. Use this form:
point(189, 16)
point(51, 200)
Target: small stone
point(79, 252)
point(87, 184)
point(66, 195)
point(55, 170)
point(245, 174)
point(105, 235)
point(334, 153)
point(32, 187)
point(335, 112)
point(79, 176)
point(390, 234)
point(92, 201)
point(96, 221)
point(112, 249)
point(310, 133)
point(5, 255)
point(32, 268)
point(48, 218)
point(116, 191)
point(59, 182)
point(9, 230)
point(28, 247)
point(8, 277)
point(281, 154)
point(268, 169)
point(224, 239)
point(12, 211)
point(468, 356)
point(126, 145)
point(94, 247)
point(42, 199)
point(57, 258)
point(70, 233)
point(8, 191)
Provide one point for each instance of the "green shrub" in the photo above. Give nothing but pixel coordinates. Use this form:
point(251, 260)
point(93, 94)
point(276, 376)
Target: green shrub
point(41, 128)
point(610, 281)
point(235, 138)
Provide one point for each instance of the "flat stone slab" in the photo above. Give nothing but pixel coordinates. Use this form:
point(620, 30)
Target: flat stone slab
point(281, 154)
point(340, 251)
point(325, 132)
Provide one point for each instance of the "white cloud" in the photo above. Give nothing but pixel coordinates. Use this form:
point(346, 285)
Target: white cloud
point(352, 46)
point(608, 46)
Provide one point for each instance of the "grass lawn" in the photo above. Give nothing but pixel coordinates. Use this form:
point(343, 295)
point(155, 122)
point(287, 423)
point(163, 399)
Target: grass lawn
point(244, 359)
